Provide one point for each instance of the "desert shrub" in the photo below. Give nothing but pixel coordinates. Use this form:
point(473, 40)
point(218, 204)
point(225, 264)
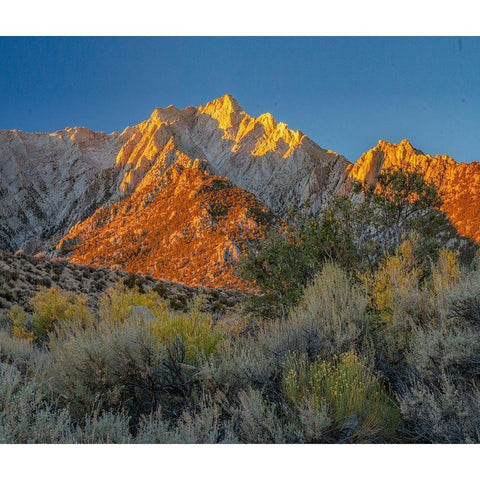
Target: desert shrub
point(440, 399)
point(153, 428)
point(234, 323)
point(330, 319)
point(337, 305)
point(108, 427)
point(204, 425)
point(401, 302)
point(414, 304)
point(398, 278)
point(54, 305)
point(463, 300)
point(118, 303)
point(19, 352)
point(287, 260)
point(108, 366)
point(134, 364)
point(25, 416)
point(445, 347)
point(194, 330)
point(445, 411)
point(445, 272)
point(346, 391)
point(21, 323)
point(356, 234)
point(254, 420)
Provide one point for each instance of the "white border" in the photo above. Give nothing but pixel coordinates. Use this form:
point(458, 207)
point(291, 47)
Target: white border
point(239, 17)
point(278, 462)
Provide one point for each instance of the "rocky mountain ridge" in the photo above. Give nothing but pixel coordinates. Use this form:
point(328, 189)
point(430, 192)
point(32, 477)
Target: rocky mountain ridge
point(179, 195)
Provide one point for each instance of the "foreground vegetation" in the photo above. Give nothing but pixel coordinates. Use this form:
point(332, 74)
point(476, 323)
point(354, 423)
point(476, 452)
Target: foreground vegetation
point(385, 350)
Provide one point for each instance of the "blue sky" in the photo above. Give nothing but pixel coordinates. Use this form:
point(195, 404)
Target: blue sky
point(346, 93)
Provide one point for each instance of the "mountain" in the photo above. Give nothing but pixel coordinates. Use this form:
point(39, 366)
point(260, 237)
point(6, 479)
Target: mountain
point(282, 167)
point(184, 224)
point(176, 196)
point(179, 195)
point(458, 183)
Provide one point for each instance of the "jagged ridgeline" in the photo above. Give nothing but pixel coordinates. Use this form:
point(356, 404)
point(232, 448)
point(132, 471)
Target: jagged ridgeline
point(179, 195)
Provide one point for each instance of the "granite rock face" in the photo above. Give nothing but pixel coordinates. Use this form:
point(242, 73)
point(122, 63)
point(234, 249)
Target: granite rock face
point(48, 182)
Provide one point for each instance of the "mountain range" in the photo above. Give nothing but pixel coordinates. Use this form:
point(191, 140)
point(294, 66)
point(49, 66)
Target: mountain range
point(178, 196)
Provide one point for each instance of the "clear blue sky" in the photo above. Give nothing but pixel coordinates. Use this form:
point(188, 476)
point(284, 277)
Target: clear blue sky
point(345, 93)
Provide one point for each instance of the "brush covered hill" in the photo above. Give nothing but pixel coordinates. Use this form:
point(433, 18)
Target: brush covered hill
point(183, 224)
point(23, 276)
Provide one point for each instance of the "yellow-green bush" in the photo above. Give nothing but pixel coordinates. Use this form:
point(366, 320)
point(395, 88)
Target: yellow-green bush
point(446, 271)
point(346, 388)
point(397, 277)
point(119, 301)
point(53, 305)
point(194, 329)
point(21, 327)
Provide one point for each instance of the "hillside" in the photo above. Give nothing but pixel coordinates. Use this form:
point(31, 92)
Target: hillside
point(185, 224)
point(22, 276)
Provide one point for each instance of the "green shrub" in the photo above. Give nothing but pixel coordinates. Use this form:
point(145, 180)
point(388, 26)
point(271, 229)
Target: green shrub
point(118, 303)
point(108, 366)
point(463, 300)
point(201, 426)
point(336, 305)
point(445, 347)
point(108, 427)
point(346, 390)
point(446, 411)
point(54, 305)
point(254, 420)
point(19, 352)
point(21, 323)
point(398, 278)
point(194, 329)
point(25, 415)
point(330, 319)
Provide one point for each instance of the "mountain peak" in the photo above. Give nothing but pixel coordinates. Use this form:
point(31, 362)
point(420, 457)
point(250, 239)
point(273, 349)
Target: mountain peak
point(225, 103)
point(223, 109)
point(382, 144)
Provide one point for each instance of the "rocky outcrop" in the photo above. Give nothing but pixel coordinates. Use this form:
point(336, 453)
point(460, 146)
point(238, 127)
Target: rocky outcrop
point(283, 168)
